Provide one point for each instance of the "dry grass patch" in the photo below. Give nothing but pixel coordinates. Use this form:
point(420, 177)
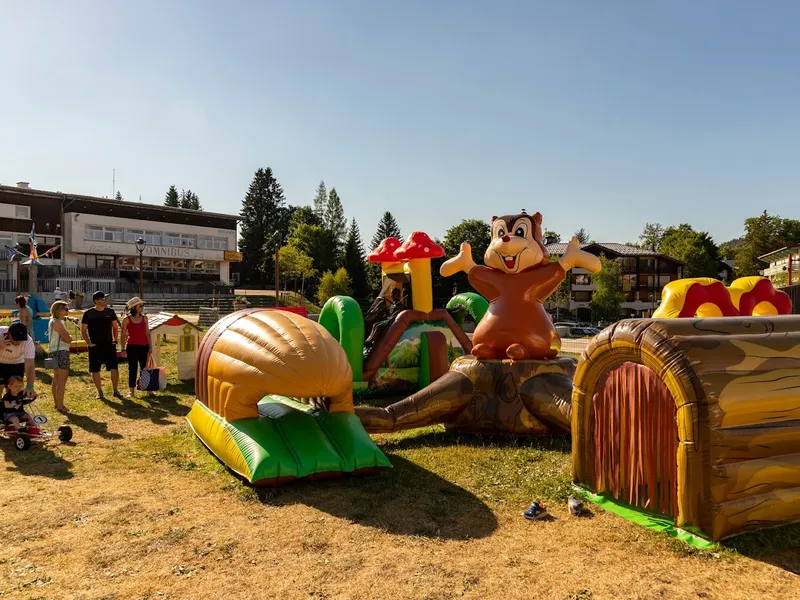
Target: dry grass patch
point(136, 508)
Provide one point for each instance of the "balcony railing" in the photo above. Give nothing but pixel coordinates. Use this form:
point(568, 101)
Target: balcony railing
point(68, 272)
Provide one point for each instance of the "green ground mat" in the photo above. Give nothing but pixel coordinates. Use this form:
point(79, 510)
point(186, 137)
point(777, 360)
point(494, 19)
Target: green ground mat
point(644, 518)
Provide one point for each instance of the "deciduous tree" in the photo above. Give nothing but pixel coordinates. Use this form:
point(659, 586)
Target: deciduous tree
point(695, 249)
point(651, 236)
point(334, 284)
point(608, 294)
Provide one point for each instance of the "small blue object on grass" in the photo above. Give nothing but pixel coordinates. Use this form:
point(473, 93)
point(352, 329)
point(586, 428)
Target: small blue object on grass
point(535, 511)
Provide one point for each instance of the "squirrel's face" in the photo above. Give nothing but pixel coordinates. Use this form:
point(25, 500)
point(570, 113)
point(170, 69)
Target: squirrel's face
point(514, 246)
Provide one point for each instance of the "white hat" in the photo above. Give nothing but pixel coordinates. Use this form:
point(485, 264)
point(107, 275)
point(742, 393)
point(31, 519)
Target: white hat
point(135, 301)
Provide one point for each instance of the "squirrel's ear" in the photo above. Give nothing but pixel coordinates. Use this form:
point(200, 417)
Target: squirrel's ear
point(494, 219)
point(537, 218)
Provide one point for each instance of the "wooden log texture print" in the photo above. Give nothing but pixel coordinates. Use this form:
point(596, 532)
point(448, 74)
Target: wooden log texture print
point(496, 397)
point(734, 384)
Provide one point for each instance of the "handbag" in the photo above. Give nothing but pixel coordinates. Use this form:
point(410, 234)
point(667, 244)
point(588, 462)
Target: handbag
point(50, 362)
point(152, 378)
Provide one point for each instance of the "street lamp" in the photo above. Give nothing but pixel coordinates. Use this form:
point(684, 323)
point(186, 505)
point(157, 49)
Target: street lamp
point(278, 237)
point(140, 245)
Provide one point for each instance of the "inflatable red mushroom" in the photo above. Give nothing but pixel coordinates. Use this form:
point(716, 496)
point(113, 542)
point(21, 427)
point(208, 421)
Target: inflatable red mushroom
point(417, 252)
point(384, 253)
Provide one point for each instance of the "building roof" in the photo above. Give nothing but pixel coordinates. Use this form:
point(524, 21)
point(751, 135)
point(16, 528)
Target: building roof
point(780, 254)
point(163, 319)
point(114, 202)
point(611, 248)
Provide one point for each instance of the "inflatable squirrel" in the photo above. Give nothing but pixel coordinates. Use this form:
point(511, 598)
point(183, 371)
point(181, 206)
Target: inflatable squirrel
point(517, 278)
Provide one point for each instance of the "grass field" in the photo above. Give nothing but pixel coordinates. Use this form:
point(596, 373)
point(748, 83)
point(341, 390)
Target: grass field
point(136, 508)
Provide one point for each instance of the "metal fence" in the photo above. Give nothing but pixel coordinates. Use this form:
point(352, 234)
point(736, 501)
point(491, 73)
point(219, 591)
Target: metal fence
point(119, 287)
point(794, 295)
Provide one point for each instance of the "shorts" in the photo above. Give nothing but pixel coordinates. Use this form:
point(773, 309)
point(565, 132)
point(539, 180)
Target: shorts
point(7, 371)
point(62, 359)
point(103, 355)
point(21, 415)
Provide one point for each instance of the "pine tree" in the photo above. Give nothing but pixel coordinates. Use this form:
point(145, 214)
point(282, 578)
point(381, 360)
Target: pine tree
point(118, 197)
point(263, 213)
point(387, 227)
point(355, 259)
point(582, 235)
point(171, 199)
point(193, 201)
point(321, 201)
point(334, 218)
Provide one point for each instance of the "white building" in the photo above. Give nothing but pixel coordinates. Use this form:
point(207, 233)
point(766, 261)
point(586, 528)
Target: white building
point(185, 251)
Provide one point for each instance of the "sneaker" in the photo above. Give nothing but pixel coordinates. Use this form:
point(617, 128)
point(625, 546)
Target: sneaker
point(99, 396)
point(118, 395)
point(130, 395)
point(535, 511)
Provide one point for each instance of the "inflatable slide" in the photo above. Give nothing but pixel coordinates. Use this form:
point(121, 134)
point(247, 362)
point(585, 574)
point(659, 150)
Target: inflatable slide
point(275, 400)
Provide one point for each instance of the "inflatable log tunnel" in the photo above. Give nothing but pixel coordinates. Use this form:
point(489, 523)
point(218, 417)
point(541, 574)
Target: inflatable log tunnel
point(694, 419)
point(262, 378)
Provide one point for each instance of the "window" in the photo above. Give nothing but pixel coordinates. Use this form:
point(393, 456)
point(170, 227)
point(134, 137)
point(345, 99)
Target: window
point(582, 296)
point(98, 233)
point(153, 238)
point(212, 242)
point(131, 235)
point(7, 239)
point(131, 263)
point(205, 266)
point(628, 264)
point(582, 280)
point(113, 234)
point(171, 265)
point(180, 239)
point(93, 232)
point(22, 212)
point(87, 261)
point(105, 262)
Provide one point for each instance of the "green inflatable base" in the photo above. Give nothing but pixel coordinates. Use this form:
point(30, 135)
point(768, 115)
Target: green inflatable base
point(290, 440)
point(654, 521)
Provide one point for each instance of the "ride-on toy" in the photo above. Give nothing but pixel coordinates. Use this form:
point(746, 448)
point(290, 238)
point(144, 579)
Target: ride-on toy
point(41, 432)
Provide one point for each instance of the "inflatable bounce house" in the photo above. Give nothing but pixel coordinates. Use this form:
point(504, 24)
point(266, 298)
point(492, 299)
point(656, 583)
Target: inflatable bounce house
point(275, 390)
point(514, 382)
point(688, 421)
point(400, 343)
point(695, 419)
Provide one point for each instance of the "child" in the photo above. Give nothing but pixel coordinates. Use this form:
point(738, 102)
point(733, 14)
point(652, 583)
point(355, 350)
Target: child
point(12, 404)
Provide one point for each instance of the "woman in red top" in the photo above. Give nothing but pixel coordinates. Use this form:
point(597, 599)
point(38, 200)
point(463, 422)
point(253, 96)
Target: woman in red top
point(136, 342)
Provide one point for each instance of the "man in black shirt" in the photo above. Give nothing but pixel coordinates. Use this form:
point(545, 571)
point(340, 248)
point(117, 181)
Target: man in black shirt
point(100, 329)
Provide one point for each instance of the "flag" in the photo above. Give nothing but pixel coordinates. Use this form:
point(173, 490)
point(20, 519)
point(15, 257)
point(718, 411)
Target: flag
point(49, 252)
point(11, 253)
point(34, 254)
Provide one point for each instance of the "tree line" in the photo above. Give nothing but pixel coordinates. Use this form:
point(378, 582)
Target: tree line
point(321, 254)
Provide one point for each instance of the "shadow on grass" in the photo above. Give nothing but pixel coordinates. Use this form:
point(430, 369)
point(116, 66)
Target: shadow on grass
point(405, 500)
point(158, 408)
point(89, 424)
point(778, 546)
point(38, 461)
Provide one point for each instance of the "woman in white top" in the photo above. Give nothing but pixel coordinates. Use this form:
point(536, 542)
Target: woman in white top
point(59, 350)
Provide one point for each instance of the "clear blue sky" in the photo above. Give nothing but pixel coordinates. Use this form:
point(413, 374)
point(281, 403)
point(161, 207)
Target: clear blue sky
point(601, 115)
